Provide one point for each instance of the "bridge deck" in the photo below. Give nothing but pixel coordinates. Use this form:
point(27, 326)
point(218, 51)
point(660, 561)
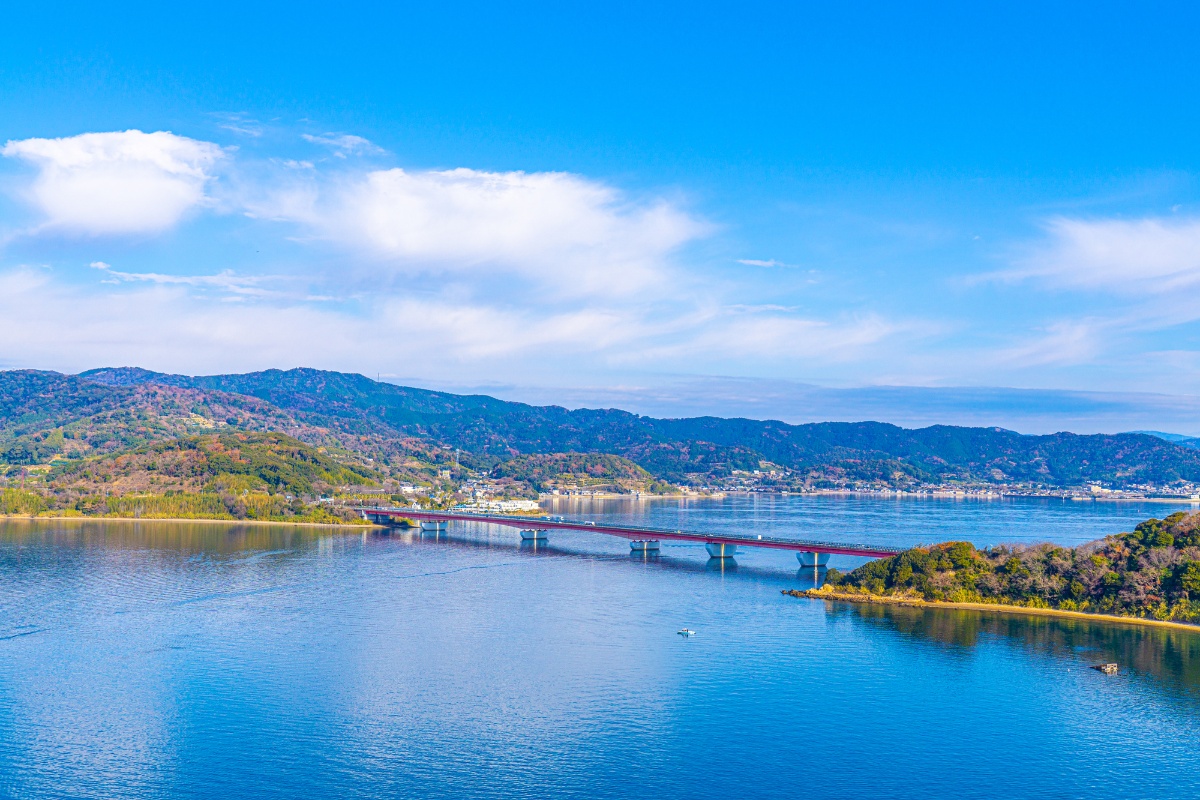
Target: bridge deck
point(638, 533)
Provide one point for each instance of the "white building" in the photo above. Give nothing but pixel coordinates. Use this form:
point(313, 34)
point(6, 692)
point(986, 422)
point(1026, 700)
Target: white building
point(500, 506)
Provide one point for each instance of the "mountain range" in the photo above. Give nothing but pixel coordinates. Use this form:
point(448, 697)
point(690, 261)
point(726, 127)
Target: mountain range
point(1174, 438)
point(407, 432)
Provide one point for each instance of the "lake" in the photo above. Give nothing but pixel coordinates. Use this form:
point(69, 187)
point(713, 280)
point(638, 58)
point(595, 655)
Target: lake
point(189, 660)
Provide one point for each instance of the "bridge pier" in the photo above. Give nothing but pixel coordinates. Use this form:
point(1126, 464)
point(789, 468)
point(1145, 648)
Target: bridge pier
point(720, 549)
point(642, 540)
point(813, 559)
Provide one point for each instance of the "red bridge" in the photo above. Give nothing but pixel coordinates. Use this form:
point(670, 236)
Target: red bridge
point(809, 553)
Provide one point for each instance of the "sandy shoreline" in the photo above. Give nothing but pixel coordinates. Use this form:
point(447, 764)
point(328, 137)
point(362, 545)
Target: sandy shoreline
point(848, 597)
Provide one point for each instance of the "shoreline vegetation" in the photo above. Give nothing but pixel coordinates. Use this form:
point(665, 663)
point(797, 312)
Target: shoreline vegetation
point(216, 506)
point(830, 594)
point(205, 520)
point(1151, 574)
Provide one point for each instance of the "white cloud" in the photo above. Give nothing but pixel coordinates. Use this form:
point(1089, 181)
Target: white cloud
point(343, 144)
point(754, 262)
point(185, 323)
point(502, 270)
point(767, 335)
point(477, 332)
point(1065, 342)
point(1146, 256)
point(168, 322)
point(125, 182)
point(158, 324)
point(547, 230)
point(550, 227)
point(241, 124)
point(226, 280)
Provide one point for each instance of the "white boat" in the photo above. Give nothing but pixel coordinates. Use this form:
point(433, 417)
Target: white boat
point(687, 632)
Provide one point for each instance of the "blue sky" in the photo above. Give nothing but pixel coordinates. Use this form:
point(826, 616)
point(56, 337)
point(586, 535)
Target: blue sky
point(762, 209)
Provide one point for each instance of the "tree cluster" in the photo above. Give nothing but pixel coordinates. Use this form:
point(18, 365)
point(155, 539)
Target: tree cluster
point(1153, 571)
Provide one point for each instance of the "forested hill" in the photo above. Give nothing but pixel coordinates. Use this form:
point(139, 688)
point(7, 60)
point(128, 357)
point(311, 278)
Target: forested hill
point(1152, 572)
point(489, 431)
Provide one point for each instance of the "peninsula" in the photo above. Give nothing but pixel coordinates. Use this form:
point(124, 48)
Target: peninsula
point(1149, 574)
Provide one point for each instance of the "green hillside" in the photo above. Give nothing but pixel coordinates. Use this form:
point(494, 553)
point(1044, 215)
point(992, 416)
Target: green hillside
point(229, 475)
point(233, 462)
point(580, 470)
point(413, 434)
point(1151, 572)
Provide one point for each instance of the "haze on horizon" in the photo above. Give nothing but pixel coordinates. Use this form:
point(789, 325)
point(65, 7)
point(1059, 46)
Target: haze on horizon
point(983, 215)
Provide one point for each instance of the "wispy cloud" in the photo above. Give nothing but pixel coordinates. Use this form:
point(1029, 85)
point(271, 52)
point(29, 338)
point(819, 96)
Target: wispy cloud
point(226, 280)
point(754, 338)
point(1133, 257)
point(343, 144)
point(228, 321)
point(754, 262)
point(794, 338)
point(126, 182)
point(1061, 343)
point(160, 320)
point(241, 124)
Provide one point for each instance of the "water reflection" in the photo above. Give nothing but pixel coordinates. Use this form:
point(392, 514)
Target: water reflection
point(193, 538)
point(1170, 655)
point(903, 521)
point(811, 577)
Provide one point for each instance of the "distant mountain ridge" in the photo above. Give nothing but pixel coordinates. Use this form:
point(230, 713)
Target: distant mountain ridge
point(1174, 438)
point(488, 431)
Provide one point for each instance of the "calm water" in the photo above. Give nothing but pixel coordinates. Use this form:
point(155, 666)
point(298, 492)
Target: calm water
point(189, 660)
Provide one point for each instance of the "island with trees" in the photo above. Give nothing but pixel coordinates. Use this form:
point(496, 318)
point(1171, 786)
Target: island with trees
point(1151, 573)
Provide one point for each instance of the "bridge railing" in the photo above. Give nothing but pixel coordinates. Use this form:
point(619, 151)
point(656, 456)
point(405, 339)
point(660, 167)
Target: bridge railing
point(635, 531)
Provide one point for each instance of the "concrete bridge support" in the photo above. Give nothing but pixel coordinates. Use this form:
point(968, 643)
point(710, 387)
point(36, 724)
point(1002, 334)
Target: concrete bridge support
point(720, 549)
point(813, 559)
point(644, 546)
point(433, 525)
point(533, 535)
